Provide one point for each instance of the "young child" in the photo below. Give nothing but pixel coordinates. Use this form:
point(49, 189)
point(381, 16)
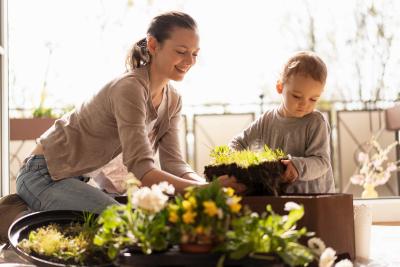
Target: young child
point(296, 128)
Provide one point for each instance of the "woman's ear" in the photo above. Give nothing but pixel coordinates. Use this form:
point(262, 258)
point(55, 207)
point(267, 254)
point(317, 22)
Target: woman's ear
point(151, 44)
point(279, 86)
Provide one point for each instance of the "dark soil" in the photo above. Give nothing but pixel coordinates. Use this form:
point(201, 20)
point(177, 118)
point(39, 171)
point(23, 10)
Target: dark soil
point(260, 180)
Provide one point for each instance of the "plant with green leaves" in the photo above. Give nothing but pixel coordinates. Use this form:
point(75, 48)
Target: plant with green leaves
point(141, 223)
point(223, 155)
point(41, 111)
point(70, 244)
point(203, 214)
point(268, 236)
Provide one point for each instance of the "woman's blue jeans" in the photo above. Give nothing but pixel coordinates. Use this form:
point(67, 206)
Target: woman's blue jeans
point(36, 187)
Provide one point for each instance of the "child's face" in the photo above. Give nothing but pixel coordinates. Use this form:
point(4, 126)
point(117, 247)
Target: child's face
point(299, 95)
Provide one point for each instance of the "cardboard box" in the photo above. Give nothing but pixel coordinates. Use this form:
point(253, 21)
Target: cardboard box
point(330, 216)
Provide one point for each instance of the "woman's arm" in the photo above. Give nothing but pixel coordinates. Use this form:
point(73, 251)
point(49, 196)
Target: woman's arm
point(171, 159)
point(155, 176)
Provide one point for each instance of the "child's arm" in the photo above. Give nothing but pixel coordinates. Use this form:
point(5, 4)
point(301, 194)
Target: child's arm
point(316, 160)
point(248, 136)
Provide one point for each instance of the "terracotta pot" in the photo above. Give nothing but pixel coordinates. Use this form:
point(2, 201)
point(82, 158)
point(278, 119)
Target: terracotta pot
point(196, 248)
point(29, 129)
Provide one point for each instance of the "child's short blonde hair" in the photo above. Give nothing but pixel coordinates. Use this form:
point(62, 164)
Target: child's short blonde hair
point(306, 63)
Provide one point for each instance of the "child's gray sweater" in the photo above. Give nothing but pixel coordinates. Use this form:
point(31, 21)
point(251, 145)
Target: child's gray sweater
point(307, 141)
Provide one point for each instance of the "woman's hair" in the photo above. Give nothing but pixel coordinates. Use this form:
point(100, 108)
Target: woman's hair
point(305, 63)
point(160, 28)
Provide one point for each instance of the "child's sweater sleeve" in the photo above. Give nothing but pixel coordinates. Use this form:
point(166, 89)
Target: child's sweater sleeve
point(248, 136)
point(316, 161)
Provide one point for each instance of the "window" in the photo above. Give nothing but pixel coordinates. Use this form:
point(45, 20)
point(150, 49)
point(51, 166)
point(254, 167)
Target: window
point(4, 182)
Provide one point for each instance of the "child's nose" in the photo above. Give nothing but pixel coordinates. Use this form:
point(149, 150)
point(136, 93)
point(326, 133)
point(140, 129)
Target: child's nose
point(302, 102)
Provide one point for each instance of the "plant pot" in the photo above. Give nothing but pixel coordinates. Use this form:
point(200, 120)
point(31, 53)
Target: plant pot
point(195, 248)
point(30, 128)
point(330, 216)
point(369, 191)
point(22, 227)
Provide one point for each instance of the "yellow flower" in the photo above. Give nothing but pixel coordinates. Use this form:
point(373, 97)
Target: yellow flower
point(173, 207)
point(173, 217)
point(210, 208)
point(189, 216)
point(233, 203)
point(193, 201)
point(189, 191)
point(187, 205)
point(187, 194)
point(229, 191)
point(199, 230)
point(235, 208)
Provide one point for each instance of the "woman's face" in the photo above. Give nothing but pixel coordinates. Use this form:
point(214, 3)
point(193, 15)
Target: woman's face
point(173, 58)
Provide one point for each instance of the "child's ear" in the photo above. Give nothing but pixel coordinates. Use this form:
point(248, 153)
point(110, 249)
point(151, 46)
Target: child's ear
point(279, 86)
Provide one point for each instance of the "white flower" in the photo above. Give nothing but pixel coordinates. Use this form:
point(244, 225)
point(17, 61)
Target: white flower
point(383, 178)
point(327, 258)
point(391, 167)
point(316, 245)
point(362, 157)
point(344, 263)
point(378, 162)
point(291, 206)
point(357, 179)
point(152, 200)
point(167, 188)
point(372, 161)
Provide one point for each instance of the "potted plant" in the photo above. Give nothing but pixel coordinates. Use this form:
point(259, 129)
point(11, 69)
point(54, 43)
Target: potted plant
point(258, 170)
point(42, 119)
point(269, 236)
point(201, 217)
point(139, 224)
point(375, 167)
point(58, 238)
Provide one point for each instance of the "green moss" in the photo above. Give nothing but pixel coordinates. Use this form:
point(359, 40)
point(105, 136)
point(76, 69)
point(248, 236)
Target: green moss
point(223, 155)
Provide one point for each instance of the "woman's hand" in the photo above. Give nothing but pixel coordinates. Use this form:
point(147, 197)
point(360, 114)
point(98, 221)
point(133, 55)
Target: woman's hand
point(230, 181)
point(194, 177)
point(291, 174)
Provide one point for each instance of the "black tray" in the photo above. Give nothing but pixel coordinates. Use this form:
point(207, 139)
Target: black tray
point(21, 228)
point(174, 258)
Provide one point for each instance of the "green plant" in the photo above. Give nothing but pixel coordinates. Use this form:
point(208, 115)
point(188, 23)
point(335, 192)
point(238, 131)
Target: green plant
point(142, 222)
point(268, 236)
point(70, 243)
point(203, 214)
point(41, 111)
point(223, 155)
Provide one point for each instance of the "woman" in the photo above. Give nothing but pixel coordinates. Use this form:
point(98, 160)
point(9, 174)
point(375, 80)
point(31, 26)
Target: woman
point(136, 114)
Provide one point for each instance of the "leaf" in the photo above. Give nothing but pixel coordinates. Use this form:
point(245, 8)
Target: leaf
point(242, 251)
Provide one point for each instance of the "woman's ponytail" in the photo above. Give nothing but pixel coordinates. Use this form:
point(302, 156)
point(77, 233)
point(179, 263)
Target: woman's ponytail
point(138, 56)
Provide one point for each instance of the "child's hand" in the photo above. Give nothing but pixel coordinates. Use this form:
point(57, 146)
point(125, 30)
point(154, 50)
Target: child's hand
point(291, 174)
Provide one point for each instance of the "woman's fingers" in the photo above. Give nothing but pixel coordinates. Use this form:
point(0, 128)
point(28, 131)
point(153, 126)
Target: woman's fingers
point(231, 181)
